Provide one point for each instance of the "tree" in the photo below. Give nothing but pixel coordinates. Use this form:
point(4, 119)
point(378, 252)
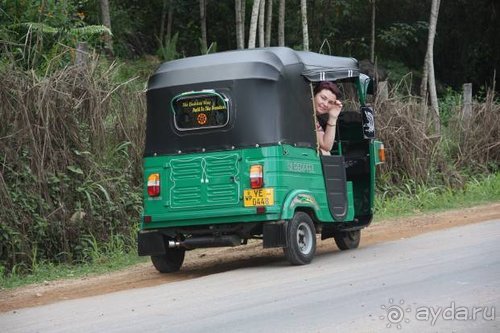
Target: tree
point(203, 23)
point(106, 21)
point(166, 16)
point(162, 21)
point(372, 44)
point(253, 24)
point(243, 19)
point(305, 33)
point(240, 40)
point(281, 23)
point(262, 9)
point(428, 77)
point(269, 20)
point(170, 19)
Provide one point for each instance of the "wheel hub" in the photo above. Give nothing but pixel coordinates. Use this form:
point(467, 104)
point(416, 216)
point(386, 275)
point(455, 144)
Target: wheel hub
point(304, 238)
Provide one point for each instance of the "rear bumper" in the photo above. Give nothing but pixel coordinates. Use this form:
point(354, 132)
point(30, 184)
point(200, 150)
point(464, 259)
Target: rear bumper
point(155, 243)
point(159, 241)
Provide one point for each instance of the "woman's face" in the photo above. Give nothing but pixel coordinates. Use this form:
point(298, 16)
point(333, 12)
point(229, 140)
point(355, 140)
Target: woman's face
point(324, 101)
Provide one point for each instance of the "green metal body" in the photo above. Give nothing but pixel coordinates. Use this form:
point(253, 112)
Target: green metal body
point(201, 189)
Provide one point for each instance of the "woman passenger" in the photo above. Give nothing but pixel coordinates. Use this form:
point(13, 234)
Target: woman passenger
point(327, 106)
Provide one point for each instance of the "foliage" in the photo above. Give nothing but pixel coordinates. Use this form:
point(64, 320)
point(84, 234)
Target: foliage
point(71, 145)
point(50, 43)
point(449, 104)
point(168, 48)
point(403, 34)
point(402, 77)
point(413, 198)
point(401, 30)
point(414, 153)
point(474, 143)
point(49, 271)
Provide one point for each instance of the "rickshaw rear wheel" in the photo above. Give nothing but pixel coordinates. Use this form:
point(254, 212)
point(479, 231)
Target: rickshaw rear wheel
point(169, 262)
point(347, 240)
point(301, 239)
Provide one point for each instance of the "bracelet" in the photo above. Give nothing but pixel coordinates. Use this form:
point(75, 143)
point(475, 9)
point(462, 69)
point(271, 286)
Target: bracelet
point(331, 124)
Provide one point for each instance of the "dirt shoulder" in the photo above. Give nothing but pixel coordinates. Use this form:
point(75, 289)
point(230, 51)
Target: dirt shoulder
point(203, 262)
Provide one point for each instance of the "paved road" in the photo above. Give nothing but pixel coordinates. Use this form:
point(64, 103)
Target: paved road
point(437, 282)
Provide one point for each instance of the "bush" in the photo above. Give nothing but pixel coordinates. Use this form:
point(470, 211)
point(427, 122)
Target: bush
point(71, 144)
point(416, 154)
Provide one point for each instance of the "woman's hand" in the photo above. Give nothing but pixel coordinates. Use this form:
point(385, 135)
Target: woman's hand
point(335, 109)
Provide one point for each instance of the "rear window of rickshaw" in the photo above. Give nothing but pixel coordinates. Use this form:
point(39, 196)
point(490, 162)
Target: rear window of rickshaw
point(201, 109)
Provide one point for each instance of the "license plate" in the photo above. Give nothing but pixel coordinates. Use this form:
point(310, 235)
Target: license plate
point(259, 197)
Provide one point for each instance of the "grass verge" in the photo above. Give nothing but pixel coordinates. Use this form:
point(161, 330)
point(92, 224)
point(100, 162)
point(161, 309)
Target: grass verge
point(45, 272)
point(414, 199)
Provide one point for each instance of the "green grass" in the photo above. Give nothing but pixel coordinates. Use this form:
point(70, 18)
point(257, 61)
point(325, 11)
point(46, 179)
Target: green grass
point(50, 272)
point(411, 199)
point(100, 258)
point(414, 199)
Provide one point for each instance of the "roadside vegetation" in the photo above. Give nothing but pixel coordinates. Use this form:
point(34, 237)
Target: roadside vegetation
point(413, 198)
point(71, 143)
point(72, 134)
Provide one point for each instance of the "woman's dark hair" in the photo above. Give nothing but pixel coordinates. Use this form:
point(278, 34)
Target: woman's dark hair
point(328, 86)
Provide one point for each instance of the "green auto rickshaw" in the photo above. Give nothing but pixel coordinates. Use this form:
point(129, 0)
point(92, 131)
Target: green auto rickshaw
point(231, 155)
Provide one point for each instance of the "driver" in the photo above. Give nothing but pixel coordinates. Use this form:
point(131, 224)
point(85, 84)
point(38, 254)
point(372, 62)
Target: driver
point(327, 107)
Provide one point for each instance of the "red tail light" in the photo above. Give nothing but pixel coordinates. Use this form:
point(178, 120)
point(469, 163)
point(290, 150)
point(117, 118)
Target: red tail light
point(381, 153)
point(154, 185)
point(256, 176)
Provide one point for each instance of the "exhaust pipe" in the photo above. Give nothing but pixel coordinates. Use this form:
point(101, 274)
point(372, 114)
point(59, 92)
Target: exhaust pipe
point(208, 241)
point(173, 244)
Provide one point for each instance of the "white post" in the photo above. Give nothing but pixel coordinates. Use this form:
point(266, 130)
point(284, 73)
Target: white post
point(82, 54)
point(467, 101)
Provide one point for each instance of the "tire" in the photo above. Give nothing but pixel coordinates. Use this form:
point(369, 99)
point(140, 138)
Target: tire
point(169, 262)
point(300, 239)
point(347, 240)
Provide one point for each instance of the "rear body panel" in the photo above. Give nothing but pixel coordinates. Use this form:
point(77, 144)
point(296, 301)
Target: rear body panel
point(208, 188)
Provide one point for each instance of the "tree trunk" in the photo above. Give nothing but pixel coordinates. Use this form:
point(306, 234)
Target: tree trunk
point(433, 96)
point(106, 21)
point(203, 23)
point(305, 33)
point(253, 24)
point(240, 44)
point(430, 44)
point(262, 9)
point(170, 18)
point(281, 23)
point(243, 20)
point(428, 77)
point(372, 46)
point(269, 21)
point(162, 22)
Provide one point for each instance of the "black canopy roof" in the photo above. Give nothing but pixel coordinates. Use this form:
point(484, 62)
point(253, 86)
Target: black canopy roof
point(262, 63)
point(267, 89)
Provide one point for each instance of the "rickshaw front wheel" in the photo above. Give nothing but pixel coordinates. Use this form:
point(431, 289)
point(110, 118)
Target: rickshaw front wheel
point(301, 239)
point(169, 262)
point(347, 240)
